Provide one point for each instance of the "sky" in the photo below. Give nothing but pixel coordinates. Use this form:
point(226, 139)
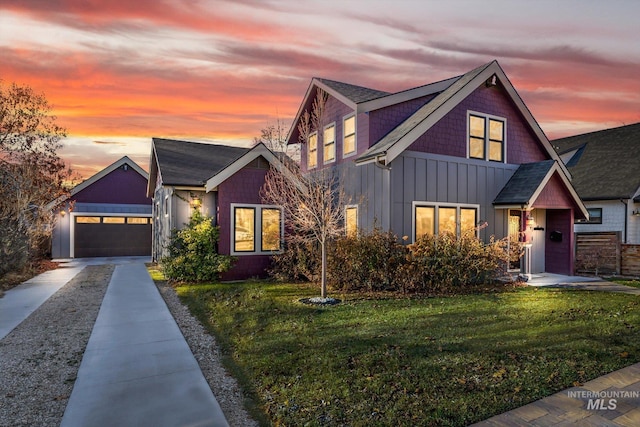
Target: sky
point(120, 72)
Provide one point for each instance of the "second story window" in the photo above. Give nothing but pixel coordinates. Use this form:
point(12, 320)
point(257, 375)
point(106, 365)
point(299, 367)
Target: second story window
point(486, 137)
point(349, 135)
point(329, 140)
point(312, 151)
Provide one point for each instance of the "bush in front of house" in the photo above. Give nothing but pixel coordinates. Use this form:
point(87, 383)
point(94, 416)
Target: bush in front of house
point(299, 261)
point(193, 252)
point(446, 263)
point(366, 262)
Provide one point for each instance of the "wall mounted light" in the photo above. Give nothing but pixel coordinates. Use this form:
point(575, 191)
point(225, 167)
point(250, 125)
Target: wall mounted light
point(63, 212)
point(530, 221)
point(636, 212)
point(196, 201)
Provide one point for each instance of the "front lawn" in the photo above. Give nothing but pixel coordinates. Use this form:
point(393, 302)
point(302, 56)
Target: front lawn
point(412, 361)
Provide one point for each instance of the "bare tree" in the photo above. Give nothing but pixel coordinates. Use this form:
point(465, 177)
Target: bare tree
point(31, 173)
point(313, 203)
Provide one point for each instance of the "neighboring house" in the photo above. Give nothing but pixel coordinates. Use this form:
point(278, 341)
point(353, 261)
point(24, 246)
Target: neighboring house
point(450, 155)
point(106, 215)
point(605, 166)
point(224, 183)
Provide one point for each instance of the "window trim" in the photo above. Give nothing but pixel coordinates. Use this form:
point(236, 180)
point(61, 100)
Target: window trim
point(324, 143)
point(487, 140)
point(257, 232)
point(355, 136)
point(436, 216)
point(309, 156)
point(346, 208)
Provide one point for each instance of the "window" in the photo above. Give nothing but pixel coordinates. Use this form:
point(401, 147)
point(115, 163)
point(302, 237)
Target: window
point(113, 220)
point(351, 220)
point(136, 220)
point(88, 220)
point(595, 216)
point(312, 153)
point(486, 137)
point(271, 229)
point(450, 218)
point(257, 229)
point(349, 135)
point(329, 141)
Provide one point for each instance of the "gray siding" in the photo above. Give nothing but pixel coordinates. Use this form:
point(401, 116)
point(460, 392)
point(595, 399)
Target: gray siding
point(368, 186)
point(444, 179)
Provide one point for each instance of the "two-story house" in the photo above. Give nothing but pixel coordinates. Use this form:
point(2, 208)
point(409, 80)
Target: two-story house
point(461, 153)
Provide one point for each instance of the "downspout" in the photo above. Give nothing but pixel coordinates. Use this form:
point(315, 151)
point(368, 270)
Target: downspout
point(626, 208)
point(380, 165)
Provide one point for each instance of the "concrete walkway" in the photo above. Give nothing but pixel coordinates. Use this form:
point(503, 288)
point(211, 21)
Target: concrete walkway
point(19, 302)
point(581, 283)
point(137, 369)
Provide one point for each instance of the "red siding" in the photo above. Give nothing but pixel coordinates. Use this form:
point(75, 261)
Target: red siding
point(243, 187)
point(554, 195)
point(449, 135)
point(118, 187)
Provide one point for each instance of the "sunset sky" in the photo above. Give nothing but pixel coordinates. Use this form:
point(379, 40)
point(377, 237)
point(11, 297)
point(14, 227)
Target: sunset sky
point(121, 72)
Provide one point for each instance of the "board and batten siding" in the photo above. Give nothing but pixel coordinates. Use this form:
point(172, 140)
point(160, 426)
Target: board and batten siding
point(433, 178)
point(368, 186)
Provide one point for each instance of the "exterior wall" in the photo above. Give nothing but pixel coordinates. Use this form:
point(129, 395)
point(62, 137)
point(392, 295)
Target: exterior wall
point(243, 187)
point(615, 217)
point(174, 214)
point(386, 119)
point(431, 178)
point(449, 135)
point(554, 195)
point(368, 187)
point(119, 186)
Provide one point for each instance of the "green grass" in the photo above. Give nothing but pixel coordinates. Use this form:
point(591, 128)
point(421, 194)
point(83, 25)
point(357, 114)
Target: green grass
point(627, 282)
point(412, 361)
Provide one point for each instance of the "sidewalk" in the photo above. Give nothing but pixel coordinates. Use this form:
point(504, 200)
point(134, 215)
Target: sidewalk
point(137, 368)
point(18, 303)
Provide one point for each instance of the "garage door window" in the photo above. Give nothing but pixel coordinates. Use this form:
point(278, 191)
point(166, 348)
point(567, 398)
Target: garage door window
point(113, 220)
point(88, 220)
point(134, 220)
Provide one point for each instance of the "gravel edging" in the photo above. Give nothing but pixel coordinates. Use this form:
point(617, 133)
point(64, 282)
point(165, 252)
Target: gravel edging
point(40, 358)
point(203, 346)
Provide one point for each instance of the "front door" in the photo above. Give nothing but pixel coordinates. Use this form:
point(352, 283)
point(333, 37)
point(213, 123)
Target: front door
point(537, 233)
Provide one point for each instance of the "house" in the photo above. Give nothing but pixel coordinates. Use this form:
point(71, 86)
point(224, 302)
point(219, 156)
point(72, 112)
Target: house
point(108, 214)
point(604, 166)
point(223, 182)
point(446, 156)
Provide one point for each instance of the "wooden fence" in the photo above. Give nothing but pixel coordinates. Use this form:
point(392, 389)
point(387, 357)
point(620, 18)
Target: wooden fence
point(598, 253)
point(630, 260)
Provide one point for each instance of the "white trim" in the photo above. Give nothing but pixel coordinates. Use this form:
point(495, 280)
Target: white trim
point(436, 206)
point(324, 143)
point(74, 214)
point(257, 232)
point(355, 135)
point(487, 144)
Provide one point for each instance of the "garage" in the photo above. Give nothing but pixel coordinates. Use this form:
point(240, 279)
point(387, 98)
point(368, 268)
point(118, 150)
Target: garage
point(108, 236)
point(107, 215)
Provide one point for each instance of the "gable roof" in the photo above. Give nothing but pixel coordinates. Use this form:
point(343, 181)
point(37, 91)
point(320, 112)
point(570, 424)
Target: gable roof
point(250, 155)
point(362, 99)
point(528, 181)
point(189, 164)
point(106, 171)
point(401, 137)
point(606, 164)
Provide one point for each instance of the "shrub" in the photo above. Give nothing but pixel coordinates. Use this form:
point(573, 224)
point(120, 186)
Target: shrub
point(299, 261)
point(444, 262)
point(366, 262)
point(193, 252)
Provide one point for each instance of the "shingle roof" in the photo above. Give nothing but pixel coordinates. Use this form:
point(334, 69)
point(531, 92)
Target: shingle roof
point(609, 164)
point(419, 116)
point(524, 183)
point(355, 93)
point(192, 163)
